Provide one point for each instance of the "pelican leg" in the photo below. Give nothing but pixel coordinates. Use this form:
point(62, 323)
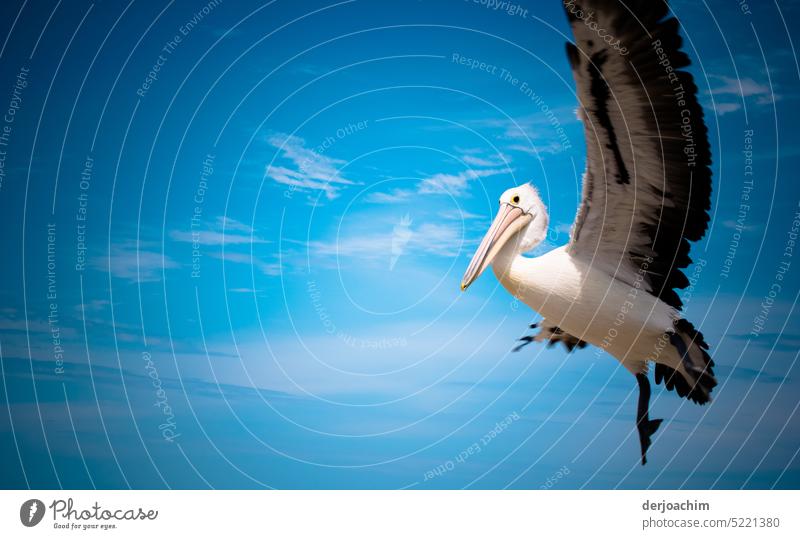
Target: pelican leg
point(644, 425)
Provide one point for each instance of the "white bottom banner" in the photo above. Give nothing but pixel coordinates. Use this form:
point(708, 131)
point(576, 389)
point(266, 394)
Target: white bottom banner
point(372, 514)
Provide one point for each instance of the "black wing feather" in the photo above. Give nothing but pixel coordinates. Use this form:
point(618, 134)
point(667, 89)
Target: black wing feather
point(647, 186)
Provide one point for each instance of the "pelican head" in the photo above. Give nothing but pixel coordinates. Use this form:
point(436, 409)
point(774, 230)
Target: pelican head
point(521, 225)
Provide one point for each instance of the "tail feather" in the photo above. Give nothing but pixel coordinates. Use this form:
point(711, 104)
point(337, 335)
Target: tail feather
point(695, 362)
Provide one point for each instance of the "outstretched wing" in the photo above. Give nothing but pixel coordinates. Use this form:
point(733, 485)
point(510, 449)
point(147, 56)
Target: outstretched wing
point(647, 184)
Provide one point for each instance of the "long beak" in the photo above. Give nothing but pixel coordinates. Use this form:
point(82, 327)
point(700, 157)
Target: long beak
point(510, 219)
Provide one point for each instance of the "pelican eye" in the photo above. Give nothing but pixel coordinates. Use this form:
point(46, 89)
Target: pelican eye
point(515, 200)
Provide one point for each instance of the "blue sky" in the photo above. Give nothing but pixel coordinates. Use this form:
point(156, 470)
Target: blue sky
point(245, 246)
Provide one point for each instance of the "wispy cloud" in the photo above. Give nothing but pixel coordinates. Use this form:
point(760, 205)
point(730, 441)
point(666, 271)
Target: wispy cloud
point(460, 215)
point(223, 238)
point(437, 239)
point(780, 341)
point(725, 108)
point(768, 99)
point(224, 231)
point(32, 325)
point(745, 87)
point(442, 183)
point(538, 148)
point(267, 268)
point(305, 168)
point(390, 197)
point(456, 184)
point(537, 133)
point(93, 306)
point(229, 223)
point(137, 263)
point(562, 228)
point(542, 131)
point(733, 225)
point(476, 161)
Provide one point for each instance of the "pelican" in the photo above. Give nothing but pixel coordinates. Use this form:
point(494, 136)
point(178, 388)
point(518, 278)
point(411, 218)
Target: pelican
point(646, 195)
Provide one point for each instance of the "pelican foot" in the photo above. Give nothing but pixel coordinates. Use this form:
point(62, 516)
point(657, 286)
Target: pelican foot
point(646, 426)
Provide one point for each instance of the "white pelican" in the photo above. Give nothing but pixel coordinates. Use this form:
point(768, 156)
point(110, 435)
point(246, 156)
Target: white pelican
point(646, 194)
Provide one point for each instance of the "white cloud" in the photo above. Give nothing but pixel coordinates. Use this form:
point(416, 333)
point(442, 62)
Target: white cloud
point(134, 262)
point(211, 237)
point(768, 99)
point(725, 108)
point(733, 225)
point(33, 326)
point(532, 127)
point(390, 197)
point(429, 238)
point(229, 233)
point(459, 215)
point(455, 184)
point(742, 87)
point(438, 239)
point(309, 169)
point(226, 231)
point(483, 162)
point(437, 184)
point(267, 268)
point(95, 306)
point(536, 149)
point(228, 223)
point(544, 131)
point(562, 228)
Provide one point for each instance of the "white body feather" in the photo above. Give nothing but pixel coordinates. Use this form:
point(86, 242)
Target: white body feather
point(625, 320)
